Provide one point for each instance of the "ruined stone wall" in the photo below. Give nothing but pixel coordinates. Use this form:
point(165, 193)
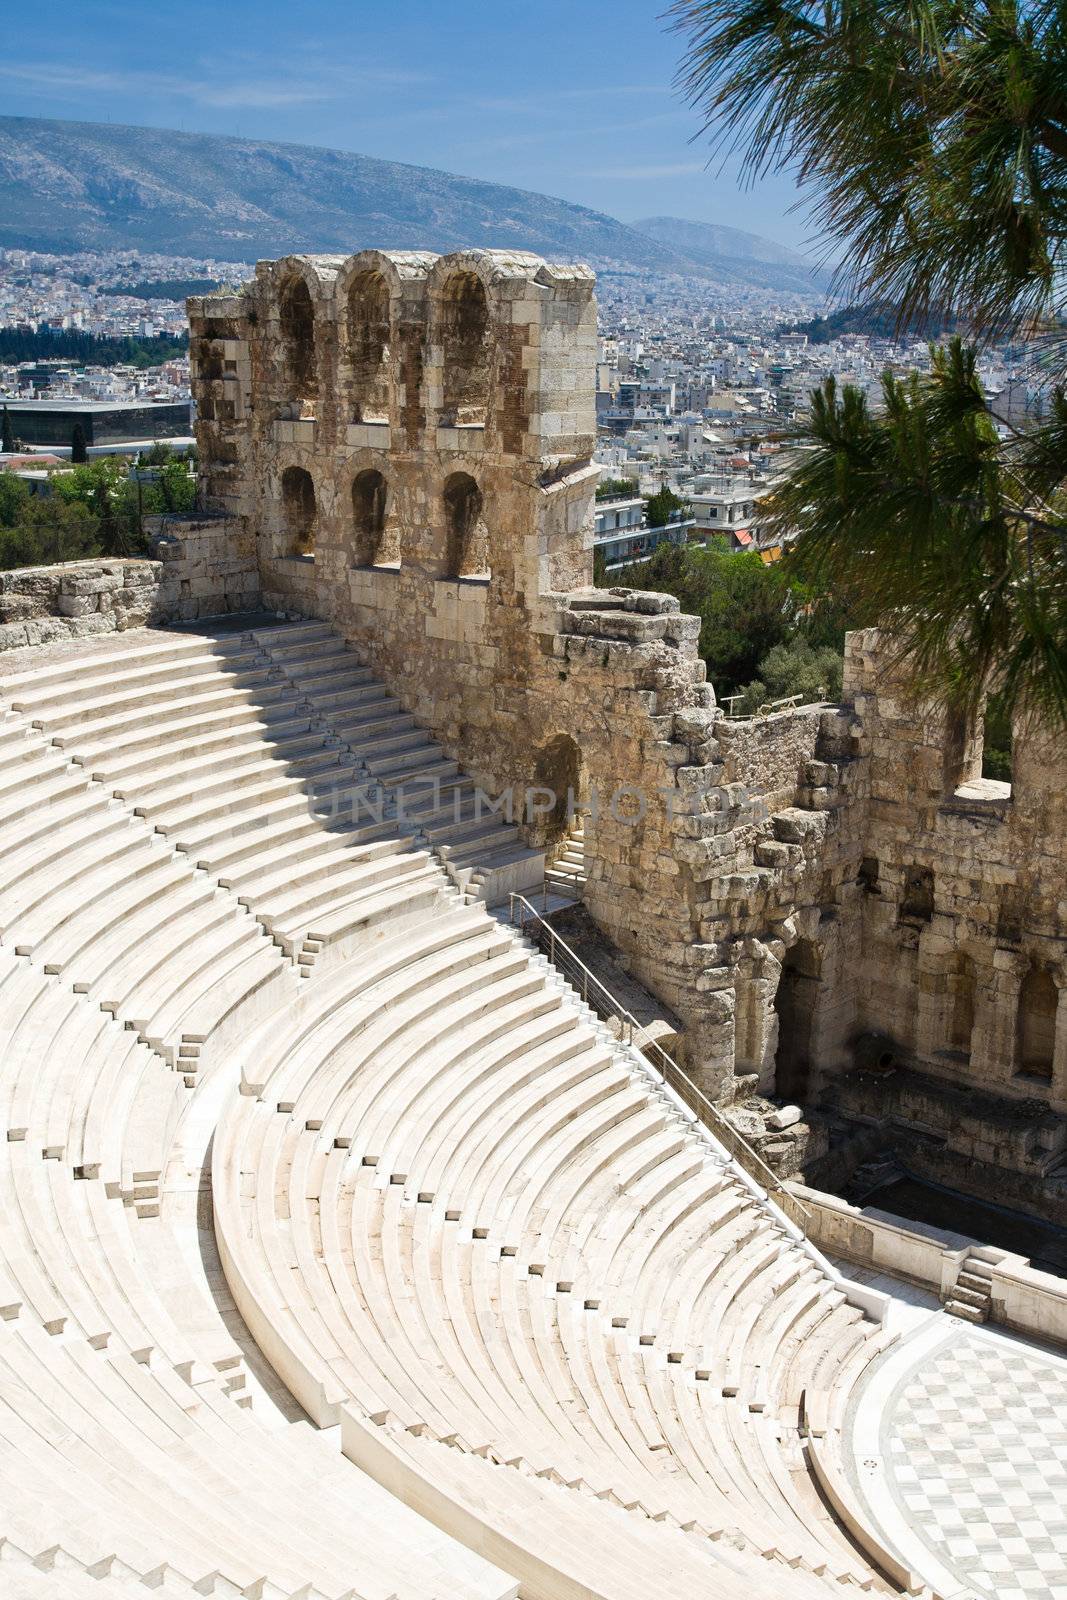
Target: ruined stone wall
point(405, 443)
point(408, 439)
point(963, 932)
point(200, 567)
point(75, 600)
point(208, 567)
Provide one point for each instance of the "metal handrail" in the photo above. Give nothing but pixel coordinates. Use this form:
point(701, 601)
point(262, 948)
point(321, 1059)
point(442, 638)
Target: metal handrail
point(600, 998)
point(769, 708)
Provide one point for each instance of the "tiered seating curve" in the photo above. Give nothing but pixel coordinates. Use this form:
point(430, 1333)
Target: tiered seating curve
point(457, 1216)
point(461, 1223)
point(128, 1452)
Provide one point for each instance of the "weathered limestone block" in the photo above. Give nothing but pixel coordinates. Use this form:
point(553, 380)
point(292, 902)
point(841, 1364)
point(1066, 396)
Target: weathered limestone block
point(77, 605)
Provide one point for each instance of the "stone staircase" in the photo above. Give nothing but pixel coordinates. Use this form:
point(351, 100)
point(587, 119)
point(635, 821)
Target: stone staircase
point(565, 874)
point(970, 1297)
point(400, 763)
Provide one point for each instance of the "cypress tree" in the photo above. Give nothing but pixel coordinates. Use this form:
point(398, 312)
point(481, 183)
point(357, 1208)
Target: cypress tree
point(78, 452)
point(7, 442)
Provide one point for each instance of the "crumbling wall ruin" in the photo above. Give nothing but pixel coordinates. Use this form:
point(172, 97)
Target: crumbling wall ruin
point(962, 938)
point(413, 463)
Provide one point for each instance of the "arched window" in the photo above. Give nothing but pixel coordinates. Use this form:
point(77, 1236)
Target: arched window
point(468, 540)
point(1036, 1026)
point(368, 347)
point(297, 317)
point(962, 986)
point(373, 544)
point(465, 351)
point(298, 508)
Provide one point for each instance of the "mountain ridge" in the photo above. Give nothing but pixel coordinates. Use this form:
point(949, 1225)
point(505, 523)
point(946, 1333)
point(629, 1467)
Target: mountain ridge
point(715, 245)
point(717, 238)
point(71, 186)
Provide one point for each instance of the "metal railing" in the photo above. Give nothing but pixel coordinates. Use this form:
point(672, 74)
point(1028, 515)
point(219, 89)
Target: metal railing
point(609, 1009)
point(769, 708)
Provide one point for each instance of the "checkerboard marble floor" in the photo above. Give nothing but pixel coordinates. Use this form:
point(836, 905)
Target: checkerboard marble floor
point(960, 1442)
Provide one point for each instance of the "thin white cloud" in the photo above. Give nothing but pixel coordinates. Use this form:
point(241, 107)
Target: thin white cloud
point(537, 100)
point(74, 82)
point(244, 93)
point(668, 169)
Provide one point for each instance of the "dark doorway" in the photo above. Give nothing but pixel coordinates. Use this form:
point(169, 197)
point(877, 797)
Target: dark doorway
point(795, 1004)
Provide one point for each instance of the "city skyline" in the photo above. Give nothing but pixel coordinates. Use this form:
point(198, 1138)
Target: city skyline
point(581, 105)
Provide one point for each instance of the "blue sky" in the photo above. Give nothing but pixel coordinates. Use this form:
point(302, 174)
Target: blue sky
point(572, 99)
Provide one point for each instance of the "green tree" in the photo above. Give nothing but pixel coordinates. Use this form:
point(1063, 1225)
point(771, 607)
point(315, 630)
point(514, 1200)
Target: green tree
point(659, 506)
point(797, 668)
point(104, 489)
point(13, 498)
point(88, 349)
point(934, 138)
point(177, 486)
point(156, 455)
point(745, 607)
point(49, 530)
point(614, 488)
point(996, 747)
point(7, 440)
point(79, 453)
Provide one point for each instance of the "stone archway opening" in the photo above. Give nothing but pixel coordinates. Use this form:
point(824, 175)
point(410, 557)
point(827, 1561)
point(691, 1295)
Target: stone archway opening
point(299, 511)
point(465, 351)
point(467, 547)
point(297, 318)
point(1035, 1030)
point(368, 347)
point(557, 817)
point(796, 1004)
point(374, 544)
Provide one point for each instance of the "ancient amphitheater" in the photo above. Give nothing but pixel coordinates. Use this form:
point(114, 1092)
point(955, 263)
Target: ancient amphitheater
point(347, 1248)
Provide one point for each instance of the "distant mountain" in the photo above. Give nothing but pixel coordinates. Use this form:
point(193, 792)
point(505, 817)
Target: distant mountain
point(715, 239)
point(68, 186)
point(736, 255)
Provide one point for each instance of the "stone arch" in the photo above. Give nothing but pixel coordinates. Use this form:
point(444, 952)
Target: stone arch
point(368, 346)
point(465, 351)
point(375, 543)
point(299, 510)
point(558, 771)
point(962, 992)
point(796, 1003)
point(467, 549)
point(1035, 1025)
point(296, 316)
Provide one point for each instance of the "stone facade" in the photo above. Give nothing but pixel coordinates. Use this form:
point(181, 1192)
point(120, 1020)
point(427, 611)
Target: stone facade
point(405, 444)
